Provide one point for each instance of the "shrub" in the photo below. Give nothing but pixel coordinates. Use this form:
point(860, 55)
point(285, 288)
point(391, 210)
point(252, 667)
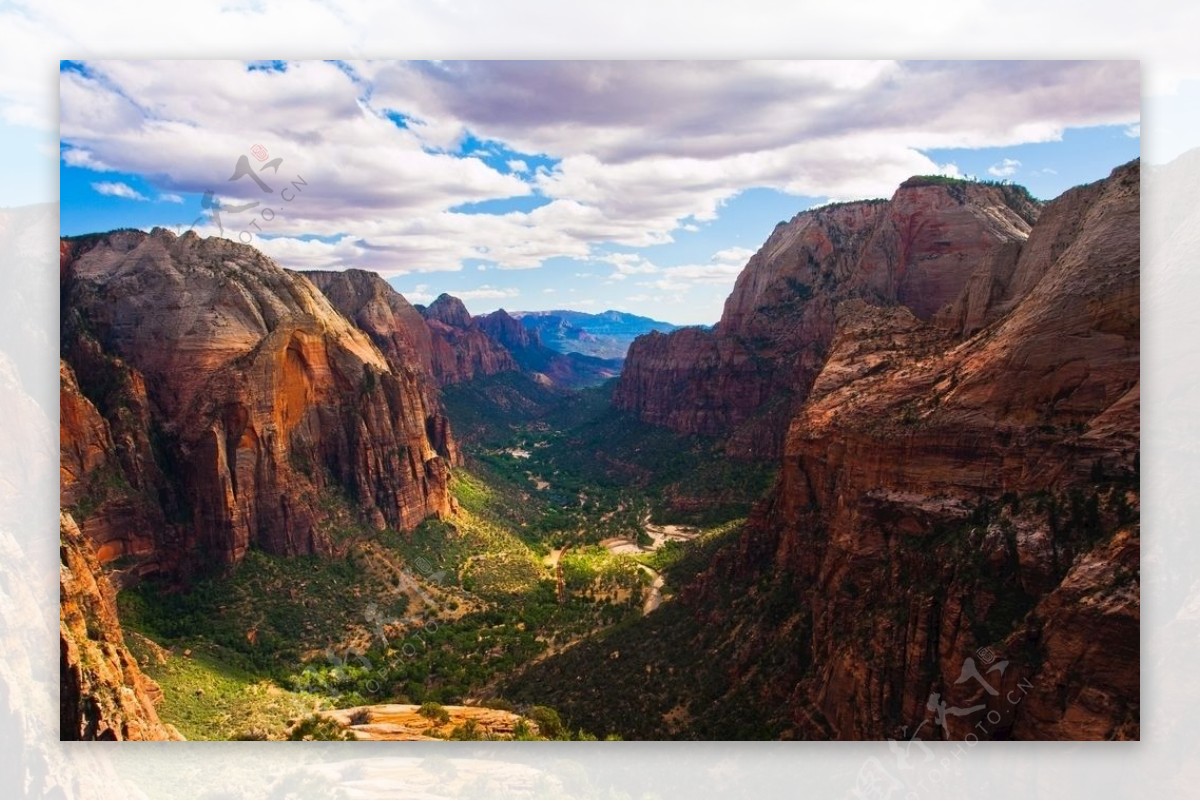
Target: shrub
point(549, 723)
point(468, 730)
point(435, 712)
point(318, 727)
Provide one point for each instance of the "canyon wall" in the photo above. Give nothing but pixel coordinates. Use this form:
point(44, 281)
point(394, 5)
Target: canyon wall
point(967, 489)
point(743, 379)
point(213, 401)
point(104, 694)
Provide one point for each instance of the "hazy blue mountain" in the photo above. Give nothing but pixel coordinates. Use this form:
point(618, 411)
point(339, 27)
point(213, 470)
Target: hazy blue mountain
point(606, 335)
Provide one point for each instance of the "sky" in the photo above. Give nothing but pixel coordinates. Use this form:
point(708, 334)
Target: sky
point(639, 186)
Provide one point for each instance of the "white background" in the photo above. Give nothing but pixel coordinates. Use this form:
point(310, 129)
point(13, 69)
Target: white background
point(1162, 35)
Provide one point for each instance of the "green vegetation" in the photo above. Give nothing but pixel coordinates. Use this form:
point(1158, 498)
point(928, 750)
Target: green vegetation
point(447, 612)
point(206, 698)
point(435, 712)
point(317, 727)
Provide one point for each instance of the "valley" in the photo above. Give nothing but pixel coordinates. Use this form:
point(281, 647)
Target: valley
point(448, 613)
point(905, 457)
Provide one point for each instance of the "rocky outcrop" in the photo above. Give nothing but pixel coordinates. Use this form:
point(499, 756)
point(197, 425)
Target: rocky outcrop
point(405, 722)
point(238, 400)
point(400, 333)
point(465, 348)
point(952, 548)
point(104, 695)
point(939, 497)
point(743, 379)
point(393, 324)
point(509, 332)
point(460, 349)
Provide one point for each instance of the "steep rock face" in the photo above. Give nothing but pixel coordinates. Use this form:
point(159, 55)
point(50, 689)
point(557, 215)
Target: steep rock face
point(371, 303)
point(569, 370)
point(460, 349)
point(111, 482)
point(743, 378)
point(237, 397)
point(509, 331)
point(886, 509)
point(104, 696)
point(399, 331)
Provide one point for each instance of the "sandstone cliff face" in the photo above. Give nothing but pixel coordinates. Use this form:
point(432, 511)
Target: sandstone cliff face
point(743, 379)
point(370, 302)
point(236, 398)
point(567, 370)
point(460, 349)
point(104, 694)
point(401, 334)
point(466, 347)
point(509, 331)
point(939, 496)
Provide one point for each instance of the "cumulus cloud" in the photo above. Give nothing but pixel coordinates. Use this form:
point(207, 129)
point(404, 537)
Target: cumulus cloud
point(170, 197)
point(1004, 168)
point(734, 255)
point(485, 292)
point(118, 189)
point(421, 293)
point(686, 276)
point(74, 157)
point(639, 152)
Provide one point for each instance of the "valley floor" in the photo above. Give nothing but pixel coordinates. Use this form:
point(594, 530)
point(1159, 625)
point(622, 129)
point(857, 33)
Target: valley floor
point(565, 530)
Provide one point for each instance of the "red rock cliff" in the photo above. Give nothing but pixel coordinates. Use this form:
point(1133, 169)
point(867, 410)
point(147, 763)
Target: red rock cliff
point(401, 334)
point(939, 496)
point(461, 349)
point(743, 379)
point(235, 397)
point(104, 695)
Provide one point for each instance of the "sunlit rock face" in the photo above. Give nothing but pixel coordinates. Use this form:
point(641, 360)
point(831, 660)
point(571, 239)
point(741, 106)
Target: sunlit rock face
point(1023, 400)
point(213, 399)
point(744, 379)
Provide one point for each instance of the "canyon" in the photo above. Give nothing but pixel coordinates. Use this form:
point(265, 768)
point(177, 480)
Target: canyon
point(946, 383)
point(952, 545)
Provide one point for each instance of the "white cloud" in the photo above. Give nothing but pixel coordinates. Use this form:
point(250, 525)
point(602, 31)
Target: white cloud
point(1004, 168)
point(642, 151)
point(686, 276)
point(74, 157)
point(118, 189)
point(628, 264)
point(485, 292)
point(419, 294)
point(170, 197)
point(422, 293)
point(1134, 131)
point(734, 255)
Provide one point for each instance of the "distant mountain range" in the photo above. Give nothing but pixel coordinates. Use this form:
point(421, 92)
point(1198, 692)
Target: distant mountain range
point(606, 335)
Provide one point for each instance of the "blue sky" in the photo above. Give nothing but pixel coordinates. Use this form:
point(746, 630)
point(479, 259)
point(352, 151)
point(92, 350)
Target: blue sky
point(589, 185)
